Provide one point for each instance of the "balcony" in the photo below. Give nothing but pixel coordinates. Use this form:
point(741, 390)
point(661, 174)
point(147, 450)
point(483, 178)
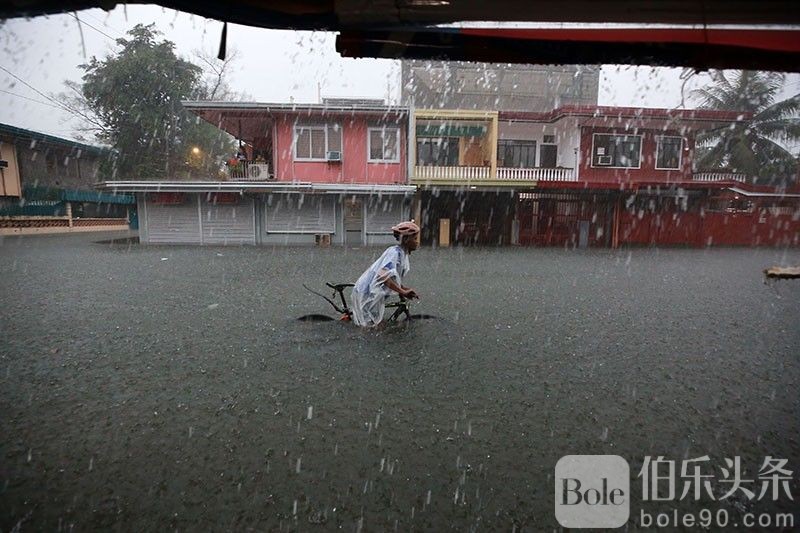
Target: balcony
point(451, 174)
point(536, 174)
point(250, 171)
point(719, 176)
point(483, 175)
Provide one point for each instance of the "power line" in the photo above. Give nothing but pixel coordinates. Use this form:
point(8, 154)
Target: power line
point(29, 98)
point(63, 106)
point(31, 87)
point(104, 23)
point(92, 27)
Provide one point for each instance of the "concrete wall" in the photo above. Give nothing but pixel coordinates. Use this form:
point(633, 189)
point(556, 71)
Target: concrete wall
point(462, 85)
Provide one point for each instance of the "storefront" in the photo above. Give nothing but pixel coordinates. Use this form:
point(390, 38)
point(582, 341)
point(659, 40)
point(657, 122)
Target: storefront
point(219, 213)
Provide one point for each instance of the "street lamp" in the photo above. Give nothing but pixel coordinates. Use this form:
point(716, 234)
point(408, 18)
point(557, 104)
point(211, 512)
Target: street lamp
point(195, 150)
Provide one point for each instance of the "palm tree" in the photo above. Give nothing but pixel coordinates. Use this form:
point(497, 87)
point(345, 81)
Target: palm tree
point(759, 147)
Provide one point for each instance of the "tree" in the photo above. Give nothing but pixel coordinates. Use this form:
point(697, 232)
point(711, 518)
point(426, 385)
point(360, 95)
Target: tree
point(758, 146)
point(132, 101)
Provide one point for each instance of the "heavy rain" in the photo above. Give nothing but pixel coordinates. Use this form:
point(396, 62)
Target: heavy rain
point(251, 284)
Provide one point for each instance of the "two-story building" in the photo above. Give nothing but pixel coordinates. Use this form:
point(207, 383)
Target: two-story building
point(345, 171)
point(46, 186)
point(584, 176)
point(332, 172)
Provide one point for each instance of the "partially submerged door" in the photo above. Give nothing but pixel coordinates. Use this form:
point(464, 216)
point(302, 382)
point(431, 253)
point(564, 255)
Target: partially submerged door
point(353, 222)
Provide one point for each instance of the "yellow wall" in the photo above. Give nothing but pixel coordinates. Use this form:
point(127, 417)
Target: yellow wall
point(9, 176)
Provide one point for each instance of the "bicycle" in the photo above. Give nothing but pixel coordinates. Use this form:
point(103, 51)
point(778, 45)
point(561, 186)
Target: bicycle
point(402, 307)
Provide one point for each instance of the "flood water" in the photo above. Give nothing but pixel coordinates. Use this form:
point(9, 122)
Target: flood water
point(148, 388)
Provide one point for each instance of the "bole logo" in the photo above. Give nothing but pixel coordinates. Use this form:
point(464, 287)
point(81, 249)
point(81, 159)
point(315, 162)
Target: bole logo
point(592, 491)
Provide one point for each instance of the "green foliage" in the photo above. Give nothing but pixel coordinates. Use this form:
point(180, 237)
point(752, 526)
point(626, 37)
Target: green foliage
point(759, 146)
point(135, 97)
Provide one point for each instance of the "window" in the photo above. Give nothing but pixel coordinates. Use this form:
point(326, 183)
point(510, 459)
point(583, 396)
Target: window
point(516, 154)
point(668, 153)
point(548, 155)
point(437, 152)
point(621, 151)
point(383, 145)
point(312, 143)
point(51, 161)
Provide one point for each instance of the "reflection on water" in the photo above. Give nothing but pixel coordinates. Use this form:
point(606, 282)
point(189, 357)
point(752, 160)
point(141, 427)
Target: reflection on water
point(186, 387)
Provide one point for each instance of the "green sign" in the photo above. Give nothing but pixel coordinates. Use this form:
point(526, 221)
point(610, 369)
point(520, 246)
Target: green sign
point(450, 130)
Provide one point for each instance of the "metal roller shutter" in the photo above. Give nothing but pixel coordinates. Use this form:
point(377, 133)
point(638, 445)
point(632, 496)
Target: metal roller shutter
point(383, 213)
point(228, 224)
point(299, 213)
point(173, 224)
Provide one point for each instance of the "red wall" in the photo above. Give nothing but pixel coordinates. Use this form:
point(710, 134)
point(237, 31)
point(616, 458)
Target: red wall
point(709, 228)
point(353, 168)
point(648, 171)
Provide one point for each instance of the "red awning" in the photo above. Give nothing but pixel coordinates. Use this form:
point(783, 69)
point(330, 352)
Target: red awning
point(700, 48)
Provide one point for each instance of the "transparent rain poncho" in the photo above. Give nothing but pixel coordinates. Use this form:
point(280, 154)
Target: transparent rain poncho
point(370, 291)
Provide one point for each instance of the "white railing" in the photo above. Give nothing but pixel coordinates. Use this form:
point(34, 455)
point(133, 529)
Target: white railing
point(249, 171)
point(719, 176)
point(451, 173)
point(536, 174)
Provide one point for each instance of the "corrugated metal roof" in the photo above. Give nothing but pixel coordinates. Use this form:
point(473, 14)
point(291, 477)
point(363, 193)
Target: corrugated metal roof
point(22, 133)
point(242, 187)
point(744, 192)
point(199, 105)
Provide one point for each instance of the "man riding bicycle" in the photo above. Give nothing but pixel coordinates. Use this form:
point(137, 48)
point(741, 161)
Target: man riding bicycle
point(385, 276)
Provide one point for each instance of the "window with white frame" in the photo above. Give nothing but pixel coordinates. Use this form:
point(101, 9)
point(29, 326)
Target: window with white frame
point(312, 143)
point(668, 153)
point(620, 151)
point(383, 145)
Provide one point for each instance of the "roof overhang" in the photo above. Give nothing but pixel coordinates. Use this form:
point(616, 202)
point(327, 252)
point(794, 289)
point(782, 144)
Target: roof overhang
point(34, 137)
point(410, 28)
point(251, 187)
point(246, 120)
point(631, 117)
point(698, 46)
point(638, 186)
point(376, 14)
point(760, 194)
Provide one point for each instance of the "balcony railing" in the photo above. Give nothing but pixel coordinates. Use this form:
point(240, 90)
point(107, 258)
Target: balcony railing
point(250, 171)
point(434, 173)
point(451, 173)
point(719, 176)
point(536, 174)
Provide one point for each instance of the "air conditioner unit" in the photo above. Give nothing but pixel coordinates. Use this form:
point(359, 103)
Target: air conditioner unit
point(333, 155)
point(258, 171)
point(604, 160)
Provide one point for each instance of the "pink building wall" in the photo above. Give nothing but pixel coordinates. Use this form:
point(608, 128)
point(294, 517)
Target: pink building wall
point(354, 167)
